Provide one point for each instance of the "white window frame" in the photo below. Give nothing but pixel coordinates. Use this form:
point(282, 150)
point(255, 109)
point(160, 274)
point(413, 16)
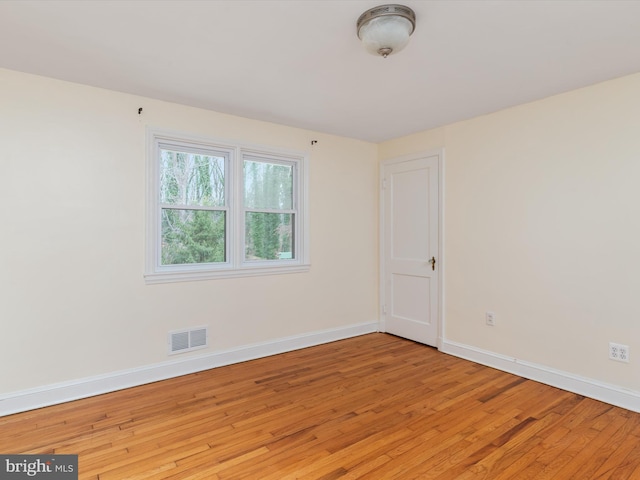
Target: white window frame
point(235, 264)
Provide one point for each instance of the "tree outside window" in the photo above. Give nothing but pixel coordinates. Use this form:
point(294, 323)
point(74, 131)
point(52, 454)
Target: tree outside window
point(220, 210)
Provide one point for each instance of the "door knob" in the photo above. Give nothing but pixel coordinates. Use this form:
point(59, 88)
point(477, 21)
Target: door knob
point(433, 263)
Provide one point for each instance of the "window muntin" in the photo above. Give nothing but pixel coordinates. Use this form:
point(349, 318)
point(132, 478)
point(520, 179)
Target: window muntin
point(221, 210)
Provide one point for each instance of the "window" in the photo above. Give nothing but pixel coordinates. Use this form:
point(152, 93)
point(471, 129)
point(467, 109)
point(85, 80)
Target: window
point(193, 205)
point(222, 210)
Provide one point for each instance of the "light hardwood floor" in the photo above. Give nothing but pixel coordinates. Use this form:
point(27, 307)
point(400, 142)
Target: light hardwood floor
point(372, 407)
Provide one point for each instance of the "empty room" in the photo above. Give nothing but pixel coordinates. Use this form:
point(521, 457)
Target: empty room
point(318, 239)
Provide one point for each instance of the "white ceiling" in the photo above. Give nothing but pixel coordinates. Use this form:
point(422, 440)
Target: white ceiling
point(300, 63)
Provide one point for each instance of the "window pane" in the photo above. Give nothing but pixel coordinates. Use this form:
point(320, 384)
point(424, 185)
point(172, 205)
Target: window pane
point(193, 236)
point(191, 179)
point(268, 185)
point(269, 236)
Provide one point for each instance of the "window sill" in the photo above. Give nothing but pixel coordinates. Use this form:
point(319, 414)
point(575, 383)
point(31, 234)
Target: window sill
point(192, 276)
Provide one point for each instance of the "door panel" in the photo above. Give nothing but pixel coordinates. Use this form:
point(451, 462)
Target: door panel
point(410, 297)
point(409, 230)
point(410, 239)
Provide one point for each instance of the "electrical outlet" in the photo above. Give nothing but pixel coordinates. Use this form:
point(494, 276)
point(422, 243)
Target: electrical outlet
point(491, 319)
point(619, 352)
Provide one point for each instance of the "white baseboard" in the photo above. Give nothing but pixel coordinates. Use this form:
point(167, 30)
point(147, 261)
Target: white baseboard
point(87, 387)
point(588, 387)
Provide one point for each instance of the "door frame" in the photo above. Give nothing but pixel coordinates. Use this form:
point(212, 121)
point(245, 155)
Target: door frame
point(439, 152)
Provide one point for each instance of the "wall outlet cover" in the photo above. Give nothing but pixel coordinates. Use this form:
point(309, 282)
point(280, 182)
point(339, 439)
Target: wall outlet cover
point(619, 352)
point(491, 319)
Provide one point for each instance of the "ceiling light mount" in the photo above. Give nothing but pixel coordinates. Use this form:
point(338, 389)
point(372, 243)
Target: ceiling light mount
point(386, 29)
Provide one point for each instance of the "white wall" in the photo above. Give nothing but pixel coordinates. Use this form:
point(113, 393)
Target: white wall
point(73, 301)
point(542, 226)
point(542, 210)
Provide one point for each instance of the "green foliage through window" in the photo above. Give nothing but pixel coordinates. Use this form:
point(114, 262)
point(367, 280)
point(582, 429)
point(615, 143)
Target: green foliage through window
point(192, 235)
point(269, 218)
point(220, 209)
point(268, 236)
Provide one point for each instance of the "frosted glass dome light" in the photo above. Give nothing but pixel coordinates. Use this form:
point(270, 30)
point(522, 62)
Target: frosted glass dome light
point(386, 29)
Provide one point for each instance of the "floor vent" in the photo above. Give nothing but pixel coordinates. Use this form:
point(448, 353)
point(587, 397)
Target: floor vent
point(181, 341)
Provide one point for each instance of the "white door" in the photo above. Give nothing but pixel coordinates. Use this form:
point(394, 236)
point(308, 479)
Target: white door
point(410, 250)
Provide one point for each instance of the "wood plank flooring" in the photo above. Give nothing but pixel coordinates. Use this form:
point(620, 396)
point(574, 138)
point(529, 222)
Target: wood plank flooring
point(371, 407)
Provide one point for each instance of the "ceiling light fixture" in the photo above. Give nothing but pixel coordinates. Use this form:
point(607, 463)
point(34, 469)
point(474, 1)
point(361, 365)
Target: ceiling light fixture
point(386, 29)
